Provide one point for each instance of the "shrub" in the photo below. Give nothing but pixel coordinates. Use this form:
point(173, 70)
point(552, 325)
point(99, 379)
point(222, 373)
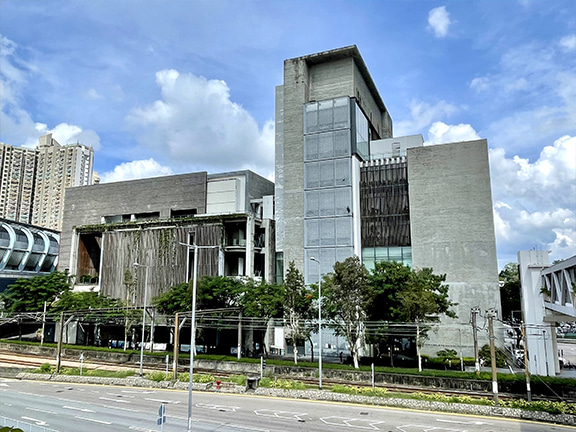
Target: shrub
point(45, 368)
point(447, 353)
point(362, 391)
point(501, 358)
point(156, 376)
point(238, 379)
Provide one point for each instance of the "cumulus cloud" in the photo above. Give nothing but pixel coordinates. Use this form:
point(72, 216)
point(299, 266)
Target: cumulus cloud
point(535, 202)
point(422, 115)
point(136, 170)
point(196, 126)
point(18, 127)
point(70, 134)
point(441, 133)
point(439, 21)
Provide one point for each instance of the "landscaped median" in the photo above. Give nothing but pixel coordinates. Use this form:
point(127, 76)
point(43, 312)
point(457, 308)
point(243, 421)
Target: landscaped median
point(547, 411)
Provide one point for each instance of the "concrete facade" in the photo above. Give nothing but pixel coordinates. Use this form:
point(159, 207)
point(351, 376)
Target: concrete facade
point(33, 181)
point(109, 227)
point(318, 77)
point(440, 215)
point(452, 225)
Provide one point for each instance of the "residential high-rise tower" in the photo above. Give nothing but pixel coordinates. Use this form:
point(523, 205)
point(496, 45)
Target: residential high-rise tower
point(33, 181)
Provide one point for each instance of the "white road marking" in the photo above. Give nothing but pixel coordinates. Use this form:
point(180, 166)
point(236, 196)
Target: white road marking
point(121, 408)
point(139, 392)
point(122, 396)
point(352, 422)
point(250, 428)
point(115, 400)
point(218, 407)
point(461, 422)
point(4, 385)
point(280, 414)
point(93, 420)
point(42, 411)
point(38, 422)
point(78, 409)
point(426, 428)
point(162, 401)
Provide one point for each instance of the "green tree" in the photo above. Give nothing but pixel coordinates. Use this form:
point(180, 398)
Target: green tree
point(260, 299)
point(347, 294)
point(297, 307)
point(510, 291)
point(405, 295)
point(29, 295)
point(177, 299)
point(75, 301)
point(425, 297)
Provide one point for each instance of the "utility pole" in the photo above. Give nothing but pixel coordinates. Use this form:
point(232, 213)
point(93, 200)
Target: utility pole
point(60, 336)
point(526, 371)
point(490, 314)
point(176, 348)
point(474, 311)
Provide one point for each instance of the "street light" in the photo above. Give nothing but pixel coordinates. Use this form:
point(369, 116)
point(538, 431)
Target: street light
point(143, 314)
point(319, 323)
point(193, 325)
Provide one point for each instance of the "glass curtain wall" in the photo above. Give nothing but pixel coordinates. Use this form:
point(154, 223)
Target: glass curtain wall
point(328, 230)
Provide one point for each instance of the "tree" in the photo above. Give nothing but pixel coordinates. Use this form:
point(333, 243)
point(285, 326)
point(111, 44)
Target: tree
point(75, 301)
point(212, 293)
point(29, 295)
point(510, 291)
point(347, 295)
point(297, 306)
point(260, 299)
point(425, 297)
point(407, 295)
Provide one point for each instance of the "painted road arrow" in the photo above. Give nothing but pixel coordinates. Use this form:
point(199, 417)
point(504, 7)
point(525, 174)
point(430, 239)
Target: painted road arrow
point(352, 422)
point(288, 415)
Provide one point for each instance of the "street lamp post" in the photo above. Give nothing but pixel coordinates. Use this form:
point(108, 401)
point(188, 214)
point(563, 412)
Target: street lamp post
point(193, 324)
point(143, 314)
point(319, 323)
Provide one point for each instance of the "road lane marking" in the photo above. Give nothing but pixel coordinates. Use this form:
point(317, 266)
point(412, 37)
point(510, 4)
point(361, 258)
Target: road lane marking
point(462, 422)
point(139, 392)
point(162, 401)
point(426, 428)
point(250, 428)
point(93, 420)
point(288, 415)
point(121, 396)
point(114, 400)
point(78, 409)
point(352, 422)
point(121, 408)
point(38, 422)
point(42, 411)
point(217, 407)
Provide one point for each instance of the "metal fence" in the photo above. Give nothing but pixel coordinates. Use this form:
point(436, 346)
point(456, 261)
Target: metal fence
point(26, 427)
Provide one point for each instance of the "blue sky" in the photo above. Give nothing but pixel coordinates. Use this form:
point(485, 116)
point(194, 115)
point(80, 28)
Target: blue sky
point(161, 87)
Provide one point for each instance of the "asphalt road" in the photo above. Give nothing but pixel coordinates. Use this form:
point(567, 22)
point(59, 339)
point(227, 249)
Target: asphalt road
point(73, 408)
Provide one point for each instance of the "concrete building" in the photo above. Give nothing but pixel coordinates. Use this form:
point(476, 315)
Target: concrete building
point(17, 172)
point(33, 181)
point(109, 227)
point(26, 251)
point(58, 167)
point(345, 186)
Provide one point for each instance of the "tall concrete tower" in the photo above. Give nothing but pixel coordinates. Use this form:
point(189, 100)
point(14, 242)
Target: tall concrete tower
point(327, 111)
point(58, 167)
